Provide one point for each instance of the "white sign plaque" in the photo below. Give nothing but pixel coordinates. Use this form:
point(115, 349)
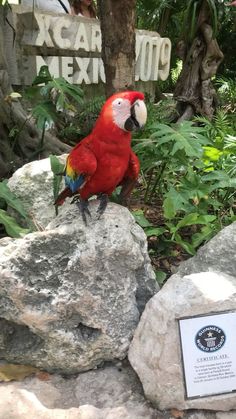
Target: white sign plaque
point(71, 47)
point(209, 354)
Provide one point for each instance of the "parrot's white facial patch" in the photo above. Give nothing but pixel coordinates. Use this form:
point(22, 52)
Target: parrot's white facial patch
point(129, 117)
point(121, 111)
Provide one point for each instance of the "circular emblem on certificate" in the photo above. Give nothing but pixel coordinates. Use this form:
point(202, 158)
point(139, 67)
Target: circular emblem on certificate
point(210, 338)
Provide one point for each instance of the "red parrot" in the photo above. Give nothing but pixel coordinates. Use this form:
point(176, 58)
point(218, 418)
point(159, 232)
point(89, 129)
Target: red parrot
point(104, 159)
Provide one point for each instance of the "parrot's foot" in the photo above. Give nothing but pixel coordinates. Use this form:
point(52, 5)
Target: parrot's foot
point(103, 198)
point(76, 199)
point(83, 206)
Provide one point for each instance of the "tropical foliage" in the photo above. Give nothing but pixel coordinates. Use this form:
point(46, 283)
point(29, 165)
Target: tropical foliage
point(9, 200)
point(188, 170)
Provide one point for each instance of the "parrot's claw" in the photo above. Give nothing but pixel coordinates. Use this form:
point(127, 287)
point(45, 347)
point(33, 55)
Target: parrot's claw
point(103, 198)
point(76, 199)
point(83, 206)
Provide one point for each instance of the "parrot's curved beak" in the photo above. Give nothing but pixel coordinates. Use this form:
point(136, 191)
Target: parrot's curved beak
point(138, 116)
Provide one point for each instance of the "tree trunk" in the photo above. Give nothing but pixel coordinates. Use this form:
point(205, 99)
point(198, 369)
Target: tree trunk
point(117, 19)
point(194, 91)
point(27, 142)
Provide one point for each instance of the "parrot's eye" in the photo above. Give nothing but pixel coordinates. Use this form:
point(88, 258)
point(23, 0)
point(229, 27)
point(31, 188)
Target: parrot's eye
point(120, 111)
point(118, 102)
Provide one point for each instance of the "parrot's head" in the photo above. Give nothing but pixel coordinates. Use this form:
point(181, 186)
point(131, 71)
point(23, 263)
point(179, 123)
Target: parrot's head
point(124, 111)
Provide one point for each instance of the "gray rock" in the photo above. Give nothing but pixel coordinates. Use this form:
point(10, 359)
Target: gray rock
point(226, 415)
point(218, 255)
point(110, 392)
point(204, 284)
point(71, 296)
point(33, 184)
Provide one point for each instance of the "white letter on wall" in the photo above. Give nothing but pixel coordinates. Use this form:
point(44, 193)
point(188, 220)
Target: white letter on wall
point(81, 40)
point(67, 68)
point(82, 67)
point(59, 41)
point(43, 36)
point(156, 57)
point(164, 65)
point(137, 56)
point(146, 59)
point(96, 38)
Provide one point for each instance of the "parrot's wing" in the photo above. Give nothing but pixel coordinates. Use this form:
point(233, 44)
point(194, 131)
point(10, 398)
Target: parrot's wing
point(80, 166)
point(130, 177)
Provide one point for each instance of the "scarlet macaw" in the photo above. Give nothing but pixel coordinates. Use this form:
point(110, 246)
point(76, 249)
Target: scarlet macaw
point(104, 159)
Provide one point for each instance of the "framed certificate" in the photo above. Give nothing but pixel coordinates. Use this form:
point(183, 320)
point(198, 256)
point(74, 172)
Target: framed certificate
point(208, 344)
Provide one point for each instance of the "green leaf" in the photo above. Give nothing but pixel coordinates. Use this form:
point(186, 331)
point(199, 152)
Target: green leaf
point(204, 235)
point(223, 180)
point(206, 219)
point(58, 169)
point(216, 175)
point(43, 76)
point(212, 153)
point(184, 136)
point(63, 89)
point(154, 231)
point(194, 219)
point(12, 228)
point(141, 219)
point(185, 245)
point(160, 277)
point(169, 207)
point(173, 202)
point(11, 199)
point(33, 93)
point(56, 166)
point(45, 115)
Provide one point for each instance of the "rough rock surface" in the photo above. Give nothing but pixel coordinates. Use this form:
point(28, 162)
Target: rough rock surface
point(204, 284)
point(111, 392)
point(71, 295)
point(33, 184)
point(218, 255)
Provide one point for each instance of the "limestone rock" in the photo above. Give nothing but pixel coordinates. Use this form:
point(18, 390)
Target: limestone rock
point(204, 284)
point(218, 255)
point(71, 295)
point(111, 392)
point(33, 184)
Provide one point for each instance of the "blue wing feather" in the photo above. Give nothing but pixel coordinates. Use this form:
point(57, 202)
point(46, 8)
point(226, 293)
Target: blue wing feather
point(74, 184)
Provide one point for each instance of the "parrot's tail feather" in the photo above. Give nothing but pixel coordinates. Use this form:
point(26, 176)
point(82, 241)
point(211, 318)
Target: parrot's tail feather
point(62, 196)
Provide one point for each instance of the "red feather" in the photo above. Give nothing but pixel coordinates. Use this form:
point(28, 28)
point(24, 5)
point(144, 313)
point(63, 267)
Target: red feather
point(104, 158)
